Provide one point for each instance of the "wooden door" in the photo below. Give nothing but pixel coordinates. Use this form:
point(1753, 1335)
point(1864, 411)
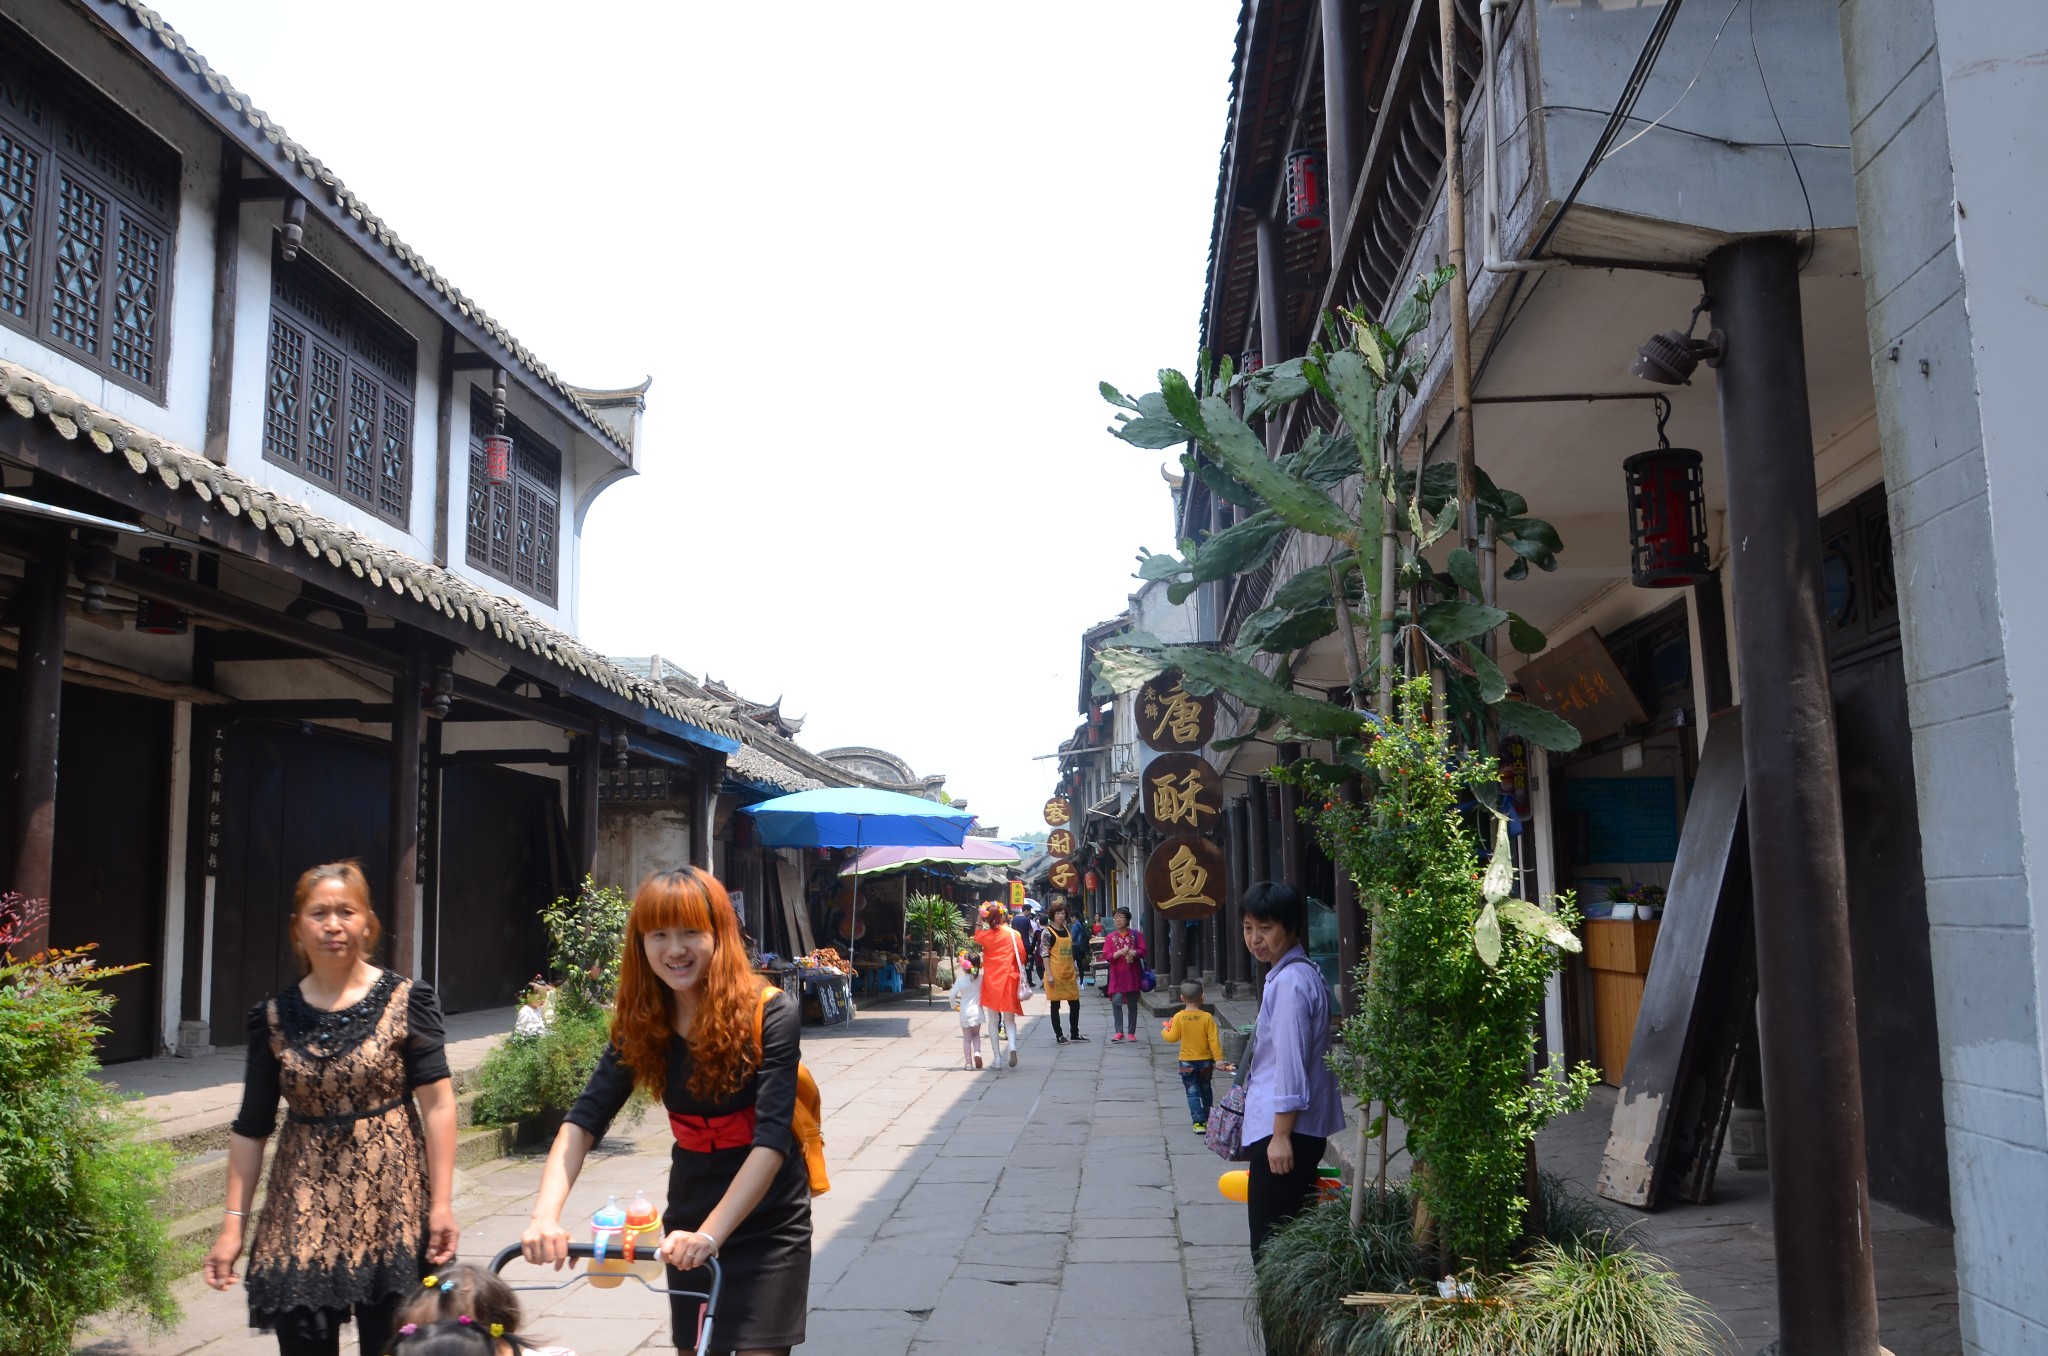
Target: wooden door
point(291, 798)
point(504, 857)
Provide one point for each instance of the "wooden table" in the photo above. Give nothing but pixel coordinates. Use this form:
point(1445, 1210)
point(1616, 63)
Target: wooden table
point(1618, 954)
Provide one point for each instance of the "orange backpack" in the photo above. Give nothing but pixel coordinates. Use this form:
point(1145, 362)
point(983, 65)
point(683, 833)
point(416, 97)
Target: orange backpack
point(809, 1123)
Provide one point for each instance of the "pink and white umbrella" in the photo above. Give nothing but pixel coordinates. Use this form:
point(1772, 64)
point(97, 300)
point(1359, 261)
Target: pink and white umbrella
point(971, 852)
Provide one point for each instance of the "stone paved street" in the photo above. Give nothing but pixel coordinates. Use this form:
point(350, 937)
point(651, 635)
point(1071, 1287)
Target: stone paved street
point(1061, 1205)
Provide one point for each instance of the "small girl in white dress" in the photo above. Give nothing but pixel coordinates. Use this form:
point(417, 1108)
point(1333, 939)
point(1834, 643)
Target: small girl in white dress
point(967, 1002)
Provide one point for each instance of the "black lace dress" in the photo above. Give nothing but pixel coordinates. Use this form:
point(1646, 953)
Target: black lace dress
point(344, 1223)
point(767, 1261)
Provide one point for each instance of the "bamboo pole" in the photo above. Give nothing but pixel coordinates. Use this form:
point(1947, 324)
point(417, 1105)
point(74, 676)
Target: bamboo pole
point(1461, 317)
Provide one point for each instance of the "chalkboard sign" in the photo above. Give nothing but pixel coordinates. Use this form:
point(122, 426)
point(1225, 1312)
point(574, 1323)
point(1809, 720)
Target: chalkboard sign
point(1627, 819)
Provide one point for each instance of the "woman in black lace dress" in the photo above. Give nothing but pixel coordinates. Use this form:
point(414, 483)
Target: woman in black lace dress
point(359, 1186)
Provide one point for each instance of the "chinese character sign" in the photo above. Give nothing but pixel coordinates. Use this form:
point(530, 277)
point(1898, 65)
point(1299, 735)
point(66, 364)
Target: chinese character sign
point(1182, 793)
point(1060, 843)
point(1173, 720)
point(1065, 878)
point(1058, 811)
point(1016, 895)
point(1184, 877)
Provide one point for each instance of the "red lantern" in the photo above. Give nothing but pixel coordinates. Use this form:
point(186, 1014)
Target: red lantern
point(498, 459)
point(1306, 208)
point(1254, 359)
point(1089, 880)
point(161, 619)
point(1667, 519)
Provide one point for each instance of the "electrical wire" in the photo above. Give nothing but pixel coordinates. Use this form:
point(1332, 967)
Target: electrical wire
point(1638, 77)
point(1682, 93)
point(1812, 230)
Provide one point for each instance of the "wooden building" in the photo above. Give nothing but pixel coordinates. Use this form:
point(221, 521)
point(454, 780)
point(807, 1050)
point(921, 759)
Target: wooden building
point(1874, 875)
point(274, 592)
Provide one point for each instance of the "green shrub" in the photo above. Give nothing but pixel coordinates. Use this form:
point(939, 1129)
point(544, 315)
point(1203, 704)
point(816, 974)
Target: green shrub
point(585, 934)
point(81, 1184)
point(1577, 1300)
point(1454, 986)
point(1317, 1258)
point(527, 1075)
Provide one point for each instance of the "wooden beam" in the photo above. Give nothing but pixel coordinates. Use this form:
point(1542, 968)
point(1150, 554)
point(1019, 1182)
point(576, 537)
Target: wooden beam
point(520, 708)
point(312, 708)
point(584, 771)
point(253, 616)
point(506, 758)
point(444, 442)
point(98, 673)
point(402, 891)
point(39, 698)
point(227, 244)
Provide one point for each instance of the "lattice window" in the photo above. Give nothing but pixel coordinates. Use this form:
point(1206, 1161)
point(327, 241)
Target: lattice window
point(81, 252)
point(349, 425)
point(88, 202)
point(281, 414)
point(513, 529)
point(18, 165)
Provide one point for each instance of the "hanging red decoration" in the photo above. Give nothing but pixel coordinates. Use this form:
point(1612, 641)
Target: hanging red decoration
point(1090, 880)
point(498, 458)
point(156, 618)
point(1254, 359)
point(1667, 519)
point(1306, 208)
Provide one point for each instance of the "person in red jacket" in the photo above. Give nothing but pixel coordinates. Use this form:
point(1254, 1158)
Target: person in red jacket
point(1124, 949)
point(1002, 972)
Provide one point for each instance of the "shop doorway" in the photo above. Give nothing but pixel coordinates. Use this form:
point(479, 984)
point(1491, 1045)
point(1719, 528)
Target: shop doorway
point(292, 796)
point(504, 857)
point(1904, 1128)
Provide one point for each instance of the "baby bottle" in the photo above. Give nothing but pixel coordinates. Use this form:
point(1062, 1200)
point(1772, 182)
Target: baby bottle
point(607, 1231)
point(643, 1225)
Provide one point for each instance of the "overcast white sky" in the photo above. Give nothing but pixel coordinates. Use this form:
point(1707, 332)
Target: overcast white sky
point(875, 257)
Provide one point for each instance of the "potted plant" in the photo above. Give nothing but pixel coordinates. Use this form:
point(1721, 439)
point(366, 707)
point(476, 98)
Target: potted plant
point(938, 926)
point(1647, 897)
point(533, 1077)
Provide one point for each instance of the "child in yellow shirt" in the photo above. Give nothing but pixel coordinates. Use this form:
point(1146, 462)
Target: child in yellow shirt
point(1200, 1048)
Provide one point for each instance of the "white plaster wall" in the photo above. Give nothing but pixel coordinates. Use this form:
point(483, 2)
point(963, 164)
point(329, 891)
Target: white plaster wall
point(181, 416)
point(1949, 199)
point(635, 841)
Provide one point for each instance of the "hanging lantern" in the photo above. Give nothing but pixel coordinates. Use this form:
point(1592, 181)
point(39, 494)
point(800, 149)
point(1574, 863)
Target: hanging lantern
point(1306, 207)
point(1254, 359)
point(1090, 880)
point(161, 619)
point(1667, 519)
point(498, 458)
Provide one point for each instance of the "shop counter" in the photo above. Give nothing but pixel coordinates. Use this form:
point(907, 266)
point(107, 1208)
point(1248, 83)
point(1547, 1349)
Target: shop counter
point(1618, 952)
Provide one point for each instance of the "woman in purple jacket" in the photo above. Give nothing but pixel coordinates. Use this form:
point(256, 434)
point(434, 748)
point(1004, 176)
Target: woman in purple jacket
point(1124, 949)
point(1291, 1101)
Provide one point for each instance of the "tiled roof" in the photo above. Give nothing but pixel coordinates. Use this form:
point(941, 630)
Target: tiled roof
point(749, 764)
point(88, 427)
point(314, 172)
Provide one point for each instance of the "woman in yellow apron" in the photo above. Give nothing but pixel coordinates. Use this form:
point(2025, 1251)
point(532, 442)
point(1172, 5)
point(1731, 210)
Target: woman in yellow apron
point(1062, 979)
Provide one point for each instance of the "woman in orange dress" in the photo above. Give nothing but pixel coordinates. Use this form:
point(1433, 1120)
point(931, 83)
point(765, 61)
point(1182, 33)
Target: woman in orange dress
point(1002, 961)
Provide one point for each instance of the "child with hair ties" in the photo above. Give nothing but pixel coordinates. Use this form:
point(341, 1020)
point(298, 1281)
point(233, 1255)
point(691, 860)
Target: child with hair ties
point(966, 996)
point(454, 1307)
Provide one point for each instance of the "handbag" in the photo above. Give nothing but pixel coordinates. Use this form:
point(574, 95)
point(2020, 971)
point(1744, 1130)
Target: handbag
point(1023, 979)
point(1147, 981)
point(1225, 1136)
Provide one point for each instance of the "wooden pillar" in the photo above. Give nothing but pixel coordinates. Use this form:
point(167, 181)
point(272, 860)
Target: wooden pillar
point(1342, 93)
point(1273, 343)
point(1236, 967)
point(39, 698)
point(401, 888)
point(1820, 1198)
point(1290, 829)
point(584, 773)
point(1260, 833)
point(704, 812)
point(227, 250)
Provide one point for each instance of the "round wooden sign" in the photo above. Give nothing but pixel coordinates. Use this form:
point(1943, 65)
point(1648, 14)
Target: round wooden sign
point(1182, 793)
point(1184, 877)
point(1059, 810)
point(1173, 720)
point(1065, 878)
point(1060, 843)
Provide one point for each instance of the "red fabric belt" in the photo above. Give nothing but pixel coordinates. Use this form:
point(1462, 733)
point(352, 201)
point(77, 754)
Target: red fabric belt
point(703, 1134)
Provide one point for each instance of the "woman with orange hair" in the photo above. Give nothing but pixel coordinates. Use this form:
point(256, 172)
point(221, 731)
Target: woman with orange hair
point(684, 1029)
point(1002, 976)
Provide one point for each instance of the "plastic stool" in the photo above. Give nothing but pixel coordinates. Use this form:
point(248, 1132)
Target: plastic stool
point(887, 980)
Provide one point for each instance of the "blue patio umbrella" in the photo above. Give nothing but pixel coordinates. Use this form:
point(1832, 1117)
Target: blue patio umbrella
point(857, 817)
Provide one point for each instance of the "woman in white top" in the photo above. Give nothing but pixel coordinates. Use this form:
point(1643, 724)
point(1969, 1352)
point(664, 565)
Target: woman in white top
point(1291, 1101)
point(967, 1002)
